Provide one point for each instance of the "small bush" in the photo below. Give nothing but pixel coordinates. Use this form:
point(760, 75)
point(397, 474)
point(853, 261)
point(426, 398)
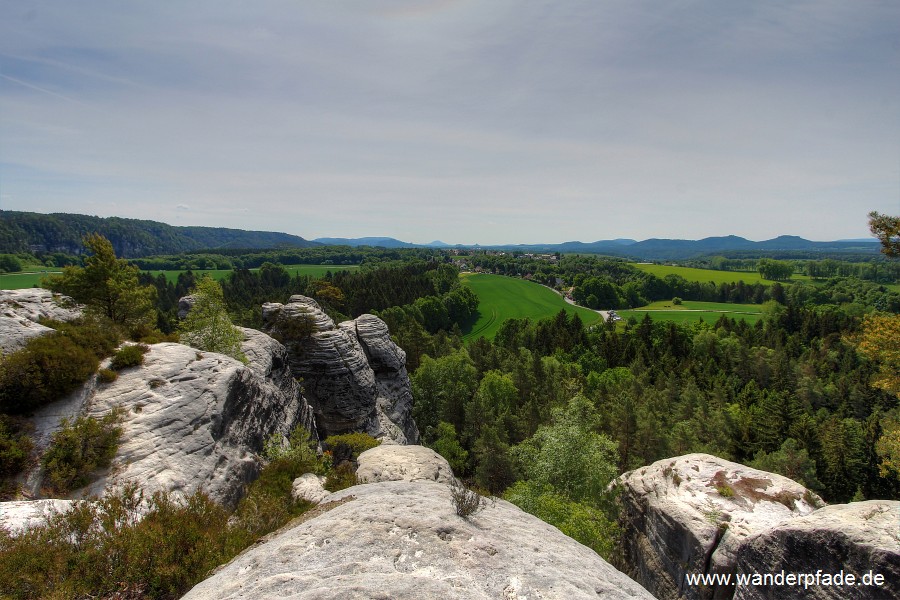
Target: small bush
point(79, 448)
point(97, 335)
point(15, 452)
point(676, 300)
point(349, 446)
point(341, 477)
point(107, 375)
point(726, 491)
point(466, 502)
point(131, 355)
point(45, 370)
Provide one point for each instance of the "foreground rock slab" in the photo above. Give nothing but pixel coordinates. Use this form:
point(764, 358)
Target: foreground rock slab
point(690, 514)
point(401, 539)
point(21, 515)
point(861, 538)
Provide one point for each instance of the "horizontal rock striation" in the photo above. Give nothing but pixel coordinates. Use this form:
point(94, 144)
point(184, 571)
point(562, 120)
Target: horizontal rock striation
point(194, 420)
point(690, 514)
point(353, 374)
point(21, 311)
point(859, 538)
point(403, 539)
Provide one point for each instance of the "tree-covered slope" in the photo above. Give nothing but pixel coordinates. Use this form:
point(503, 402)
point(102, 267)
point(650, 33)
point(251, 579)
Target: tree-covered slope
point(131, 238)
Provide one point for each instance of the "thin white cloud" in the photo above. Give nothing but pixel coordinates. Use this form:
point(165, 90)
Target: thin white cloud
point(465, 121)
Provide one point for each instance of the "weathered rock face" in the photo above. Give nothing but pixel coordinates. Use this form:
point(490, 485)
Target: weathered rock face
point(690, 514)
point(391, 462)
point(402, 539)
point(20, 311)
point(193, 419)
point(18, 516)
point(857, 538)
point(353, 374)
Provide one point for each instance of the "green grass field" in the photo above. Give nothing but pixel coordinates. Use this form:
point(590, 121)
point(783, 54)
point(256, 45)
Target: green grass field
point(502, 298)
point(18, 281)
point(717, 277)
point(692, 312)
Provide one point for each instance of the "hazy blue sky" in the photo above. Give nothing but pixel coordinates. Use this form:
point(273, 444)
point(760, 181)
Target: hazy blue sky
point(493, 121)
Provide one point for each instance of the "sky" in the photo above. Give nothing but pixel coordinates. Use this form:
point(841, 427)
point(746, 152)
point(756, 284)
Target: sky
point(491, 121)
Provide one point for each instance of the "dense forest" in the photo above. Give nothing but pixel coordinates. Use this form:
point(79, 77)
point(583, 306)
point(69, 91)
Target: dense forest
point(550, 411)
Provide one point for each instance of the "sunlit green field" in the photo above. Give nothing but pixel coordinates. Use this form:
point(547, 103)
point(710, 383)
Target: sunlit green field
point(502, 298)
point(692, 312)
point(18, 281)
point(717, 277)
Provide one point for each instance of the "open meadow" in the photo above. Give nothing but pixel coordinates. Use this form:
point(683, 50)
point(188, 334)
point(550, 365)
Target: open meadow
point(692, 312)
point(717, 277)
point(502, 298)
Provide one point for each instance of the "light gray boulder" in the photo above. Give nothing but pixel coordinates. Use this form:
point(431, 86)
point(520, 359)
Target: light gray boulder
point(309, 487)
point(859, 538)
point(19, 516)
point(20, 311)
point(353, 374)
point(690, 514)
point(392, 462)
point(401, 539)
point(195, 420)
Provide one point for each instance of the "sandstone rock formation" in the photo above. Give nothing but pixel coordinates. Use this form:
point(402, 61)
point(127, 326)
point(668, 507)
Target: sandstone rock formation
point(690, 514)
point(391, 462)
point(20, 311)
point(309, 487)
point(403, 539)
point(353, 374)
point(856, 538)
point(196, 420)
point(18, 516)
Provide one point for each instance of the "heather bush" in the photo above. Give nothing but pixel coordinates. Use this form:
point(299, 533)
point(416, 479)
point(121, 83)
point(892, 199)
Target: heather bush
point(45, 370)
point(78, 448)
point(131, 355)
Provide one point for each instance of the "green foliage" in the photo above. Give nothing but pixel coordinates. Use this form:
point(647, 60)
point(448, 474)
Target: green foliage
point(792, 461)
point(677, 301)
point(341, 477)
point(9, 263)
point(130, 355)
point(78, 448)
point(580, 521)
point(93, 334)
point(108, 286)
point(775, 270)
point(207, 326)
point(15, 452)
point(356, 443)
point(45, 370)
point(442, 387)
point(107, 375)
point(887, 229)
point(466, 501)
point(447, 445)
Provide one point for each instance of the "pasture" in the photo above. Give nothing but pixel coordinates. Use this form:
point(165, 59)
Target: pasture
point(717, 277)
point(501, 298)
point(692, 312)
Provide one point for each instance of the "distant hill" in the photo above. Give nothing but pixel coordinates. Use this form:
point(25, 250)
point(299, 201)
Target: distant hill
point(131, 238)
point(383, 242)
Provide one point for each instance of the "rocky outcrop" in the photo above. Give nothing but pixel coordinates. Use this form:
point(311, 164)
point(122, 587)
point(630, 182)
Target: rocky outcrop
point(21, 311)
point(195, 420)
point(403, 539)
point(353, 374)
point(861, 538)
point(690, 514)
point(391, 462)
point(18, 516)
